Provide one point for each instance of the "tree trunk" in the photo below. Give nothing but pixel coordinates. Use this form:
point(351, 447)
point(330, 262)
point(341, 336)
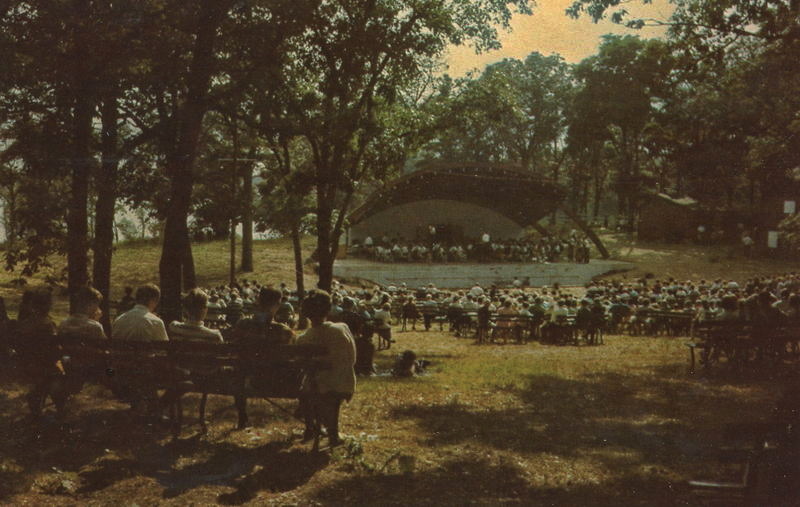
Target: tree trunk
point(77, 214)
point(589, 232)
point(176, 261)
point(10, 216)
point(104, 210)
point(247, 220)
point(324, 256)
point(298, 261)
point(187, 269)
point(232, 271)
point(598, 187)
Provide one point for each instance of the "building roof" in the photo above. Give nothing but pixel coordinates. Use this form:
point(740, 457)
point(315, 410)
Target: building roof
point(514, 193)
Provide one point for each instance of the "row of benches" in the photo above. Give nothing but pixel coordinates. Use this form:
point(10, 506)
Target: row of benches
point(131, 368)
point(741, 342)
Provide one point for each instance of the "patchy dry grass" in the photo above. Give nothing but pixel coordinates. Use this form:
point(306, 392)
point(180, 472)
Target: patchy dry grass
point(619, 424)
point(691, 262)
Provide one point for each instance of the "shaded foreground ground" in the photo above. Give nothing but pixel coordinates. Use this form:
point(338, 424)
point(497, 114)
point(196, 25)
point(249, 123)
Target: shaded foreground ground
point(619, 424)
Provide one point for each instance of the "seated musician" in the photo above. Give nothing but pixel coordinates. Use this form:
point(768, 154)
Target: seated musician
point(196, 306)
point(83, 324)
point(336, 383)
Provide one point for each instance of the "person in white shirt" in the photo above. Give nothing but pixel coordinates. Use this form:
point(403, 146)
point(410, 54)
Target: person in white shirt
point(140, 323)
point(476, 291)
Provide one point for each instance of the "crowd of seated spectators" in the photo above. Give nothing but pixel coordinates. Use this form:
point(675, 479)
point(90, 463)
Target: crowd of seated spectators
point(571, 247)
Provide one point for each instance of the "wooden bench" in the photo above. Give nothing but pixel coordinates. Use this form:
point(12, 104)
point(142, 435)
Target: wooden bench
point(561, 332)
point(741, 342)
point(751, 489)
point(670, 322)
point(715, 339)
point(131, 368)
point(515, 327)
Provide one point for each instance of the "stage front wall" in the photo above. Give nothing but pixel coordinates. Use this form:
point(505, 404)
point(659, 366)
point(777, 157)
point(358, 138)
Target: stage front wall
point(406, 218)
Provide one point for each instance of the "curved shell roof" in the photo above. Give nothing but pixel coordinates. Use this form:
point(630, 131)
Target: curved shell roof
point(519, 195)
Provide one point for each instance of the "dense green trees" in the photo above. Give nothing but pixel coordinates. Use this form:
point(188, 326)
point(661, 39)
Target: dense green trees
point(178, 106)
point(119, 93)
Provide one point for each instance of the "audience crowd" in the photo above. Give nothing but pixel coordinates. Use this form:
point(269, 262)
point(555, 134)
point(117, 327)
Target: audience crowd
point(347, 319)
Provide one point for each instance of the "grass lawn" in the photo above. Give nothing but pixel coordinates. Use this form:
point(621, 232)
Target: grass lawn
point(619, 424)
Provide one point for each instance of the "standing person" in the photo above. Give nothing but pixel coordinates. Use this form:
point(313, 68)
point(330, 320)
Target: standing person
point(333, 384)
point(140, 323)
point(484, 321)
point(383, 324)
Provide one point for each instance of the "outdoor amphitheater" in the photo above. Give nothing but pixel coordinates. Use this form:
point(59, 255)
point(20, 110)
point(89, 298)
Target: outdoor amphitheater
point(400, 252)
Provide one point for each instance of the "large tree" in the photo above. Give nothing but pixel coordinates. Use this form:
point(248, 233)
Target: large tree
point(355, 58)
point(514, 112)
point(620, 90)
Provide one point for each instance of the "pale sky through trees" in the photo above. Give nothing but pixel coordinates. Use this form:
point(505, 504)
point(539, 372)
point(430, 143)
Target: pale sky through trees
point(549, 30)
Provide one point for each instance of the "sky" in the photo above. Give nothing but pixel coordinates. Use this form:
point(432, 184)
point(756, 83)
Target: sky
point(549, 30)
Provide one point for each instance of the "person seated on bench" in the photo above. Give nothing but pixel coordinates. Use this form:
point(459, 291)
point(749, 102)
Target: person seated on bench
point(195, 303)
point(34, 345)
point(429, 310)
point(140, 323)
point(505, 323)
point(285, 313)
point(83, 324)
point(338, 382)
point(730, 308)
point(78, 328)
point(410, 313)
point(261, 330)
point(353, 319)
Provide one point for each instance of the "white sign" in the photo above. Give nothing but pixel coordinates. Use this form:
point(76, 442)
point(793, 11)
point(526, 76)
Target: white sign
point(789, 207)
point(772, 239)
